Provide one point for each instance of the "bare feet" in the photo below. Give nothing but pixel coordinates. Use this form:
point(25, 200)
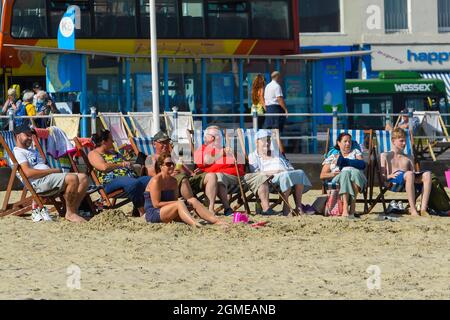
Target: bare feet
point(424, 213)
point(72, 217)
point(413, 212)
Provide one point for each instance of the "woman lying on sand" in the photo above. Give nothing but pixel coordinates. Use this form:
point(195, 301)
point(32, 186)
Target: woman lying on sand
point(161, 194)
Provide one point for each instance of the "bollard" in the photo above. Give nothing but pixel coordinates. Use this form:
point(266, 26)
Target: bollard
point(255, 119)
point(410, 116)
point(335, 117)
point(11, 119)
point(93, 120)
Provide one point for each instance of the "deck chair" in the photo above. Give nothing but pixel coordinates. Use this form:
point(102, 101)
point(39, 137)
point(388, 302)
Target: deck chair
point(109, 199)
point(383, 144)
point(433, 127)
point(8, 142)
point(141, 124)
point(195, 138)
point(70, 124)
point(362, 139)
point(115, 122)
point(177, 129)
point(247, 141)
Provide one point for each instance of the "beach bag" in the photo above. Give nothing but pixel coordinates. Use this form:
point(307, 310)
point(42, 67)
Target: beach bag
point(334, 205)
point(439, 199)
point(447, 177)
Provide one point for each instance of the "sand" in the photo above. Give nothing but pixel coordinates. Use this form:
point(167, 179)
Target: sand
point(310, 257)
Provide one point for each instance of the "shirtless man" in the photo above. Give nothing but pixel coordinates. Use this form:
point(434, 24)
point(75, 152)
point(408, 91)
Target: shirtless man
point(399, 168)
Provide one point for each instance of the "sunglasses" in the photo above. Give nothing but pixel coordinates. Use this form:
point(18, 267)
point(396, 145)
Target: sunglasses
point(169, 164)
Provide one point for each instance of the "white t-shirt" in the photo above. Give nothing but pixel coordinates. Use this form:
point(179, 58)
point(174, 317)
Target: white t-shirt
point(272, 92)
point(31, 156)
point(331, 160)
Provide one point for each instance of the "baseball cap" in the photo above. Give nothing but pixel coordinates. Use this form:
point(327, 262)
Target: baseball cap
point(161, 136)
point(23, 128)
point(263, 134)
point(36, 85)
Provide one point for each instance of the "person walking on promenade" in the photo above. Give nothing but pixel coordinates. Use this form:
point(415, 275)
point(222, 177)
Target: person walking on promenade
point(274, 101)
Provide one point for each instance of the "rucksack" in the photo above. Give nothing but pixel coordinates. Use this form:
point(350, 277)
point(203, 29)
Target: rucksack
point(439, 199)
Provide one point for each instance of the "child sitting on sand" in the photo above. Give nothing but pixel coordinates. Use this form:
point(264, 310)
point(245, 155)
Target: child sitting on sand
point(398, 168)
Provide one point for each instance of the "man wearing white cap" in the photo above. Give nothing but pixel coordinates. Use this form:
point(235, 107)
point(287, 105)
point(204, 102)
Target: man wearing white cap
point(273, 98)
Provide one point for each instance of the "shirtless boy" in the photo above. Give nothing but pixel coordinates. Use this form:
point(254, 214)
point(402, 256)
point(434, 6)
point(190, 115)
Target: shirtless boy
point(398, 167)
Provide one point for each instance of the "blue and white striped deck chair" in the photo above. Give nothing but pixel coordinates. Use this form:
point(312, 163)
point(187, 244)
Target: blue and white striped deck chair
point(384, 144)
point(142, 144)
point(61, 163)
point(357, 135)
point(10, 141)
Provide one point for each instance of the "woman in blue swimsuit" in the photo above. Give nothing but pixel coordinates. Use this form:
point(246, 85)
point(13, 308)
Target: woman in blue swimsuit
point(161, 198)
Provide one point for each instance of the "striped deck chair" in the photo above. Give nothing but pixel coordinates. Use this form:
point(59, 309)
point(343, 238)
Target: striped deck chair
point(8, 142)
point(115, 122)
point(383, 144)
point(141, 124)
point(109, 199)
point(247, 140)
point(361, 139)
point(142, 144)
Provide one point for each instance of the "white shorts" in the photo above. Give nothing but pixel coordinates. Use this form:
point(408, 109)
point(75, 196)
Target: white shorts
point(49, 185)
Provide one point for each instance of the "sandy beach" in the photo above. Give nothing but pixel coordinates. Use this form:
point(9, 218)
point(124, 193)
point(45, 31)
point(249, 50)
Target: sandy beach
point(308, 257)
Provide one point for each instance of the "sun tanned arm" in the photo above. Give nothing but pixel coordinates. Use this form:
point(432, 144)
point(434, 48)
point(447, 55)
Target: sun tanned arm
point(155, 187)
point(34, 173)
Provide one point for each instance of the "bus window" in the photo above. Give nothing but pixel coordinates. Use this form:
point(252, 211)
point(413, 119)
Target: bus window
point(58, 8)
point(192, 11)
point(228, 20)
point(166, 19)
point(115, 19)
point(270, 19)
point(29, 19)
point(367, 105)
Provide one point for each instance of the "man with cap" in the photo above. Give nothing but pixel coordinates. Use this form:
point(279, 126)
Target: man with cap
point(273, 98)
point(189, 183)
point(47, 181)
point(268, 160)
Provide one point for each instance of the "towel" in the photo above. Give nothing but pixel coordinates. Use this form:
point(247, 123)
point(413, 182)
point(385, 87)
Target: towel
point(58, 145)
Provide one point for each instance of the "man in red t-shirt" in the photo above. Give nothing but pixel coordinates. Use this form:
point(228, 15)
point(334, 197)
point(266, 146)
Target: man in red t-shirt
point(212, 157)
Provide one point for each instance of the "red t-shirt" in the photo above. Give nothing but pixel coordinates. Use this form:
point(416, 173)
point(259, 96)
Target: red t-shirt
point(224, 164)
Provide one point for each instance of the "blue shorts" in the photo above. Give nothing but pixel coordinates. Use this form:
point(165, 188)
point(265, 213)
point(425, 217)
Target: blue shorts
point(398, 183)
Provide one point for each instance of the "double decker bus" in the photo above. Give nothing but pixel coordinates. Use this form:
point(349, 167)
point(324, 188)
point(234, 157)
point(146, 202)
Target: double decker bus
point(184, 28)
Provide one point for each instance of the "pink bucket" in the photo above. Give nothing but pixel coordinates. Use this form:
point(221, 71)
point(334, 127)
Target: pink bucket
point(240, 217)
point(447, 176)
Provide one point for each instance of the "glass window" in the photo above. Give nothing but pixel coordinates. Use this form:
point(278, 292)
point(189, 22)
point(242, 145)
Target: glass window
point(228, 20)
point(319, 16)
point(115, 18)
point(192, 11)
point(367, 105)
point(270, 19)
point(444, 15)
point(29, 19)
point(396, 15)
point(166, 19)
point(58, 8)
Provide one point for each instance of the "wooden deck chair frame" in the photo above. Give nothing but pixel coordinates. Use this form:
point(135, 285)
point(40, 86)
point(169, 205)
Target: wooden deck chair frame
point(109, 199)
point(376, 168)
point(24, 204)
point(54, 163)
point(421, 145)
point(134, 131)
point(127, 130)
point(367, 139)
point(234, 196)
point(272, 187)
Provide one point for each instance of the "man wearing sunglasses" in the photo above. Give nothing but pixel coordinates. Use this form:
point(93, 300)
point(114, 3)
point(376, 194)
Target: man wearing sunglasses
point(189, 182)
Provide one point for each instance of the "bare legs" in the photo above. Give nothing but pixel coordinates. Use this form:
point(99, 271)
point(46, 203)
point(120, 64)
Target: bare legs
point(410, 180)
point(210, 185)
point(263, 194)
point(175, 211)
point(223, 196)
point(76, 186)
point(203, 212)
point(410, 192)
